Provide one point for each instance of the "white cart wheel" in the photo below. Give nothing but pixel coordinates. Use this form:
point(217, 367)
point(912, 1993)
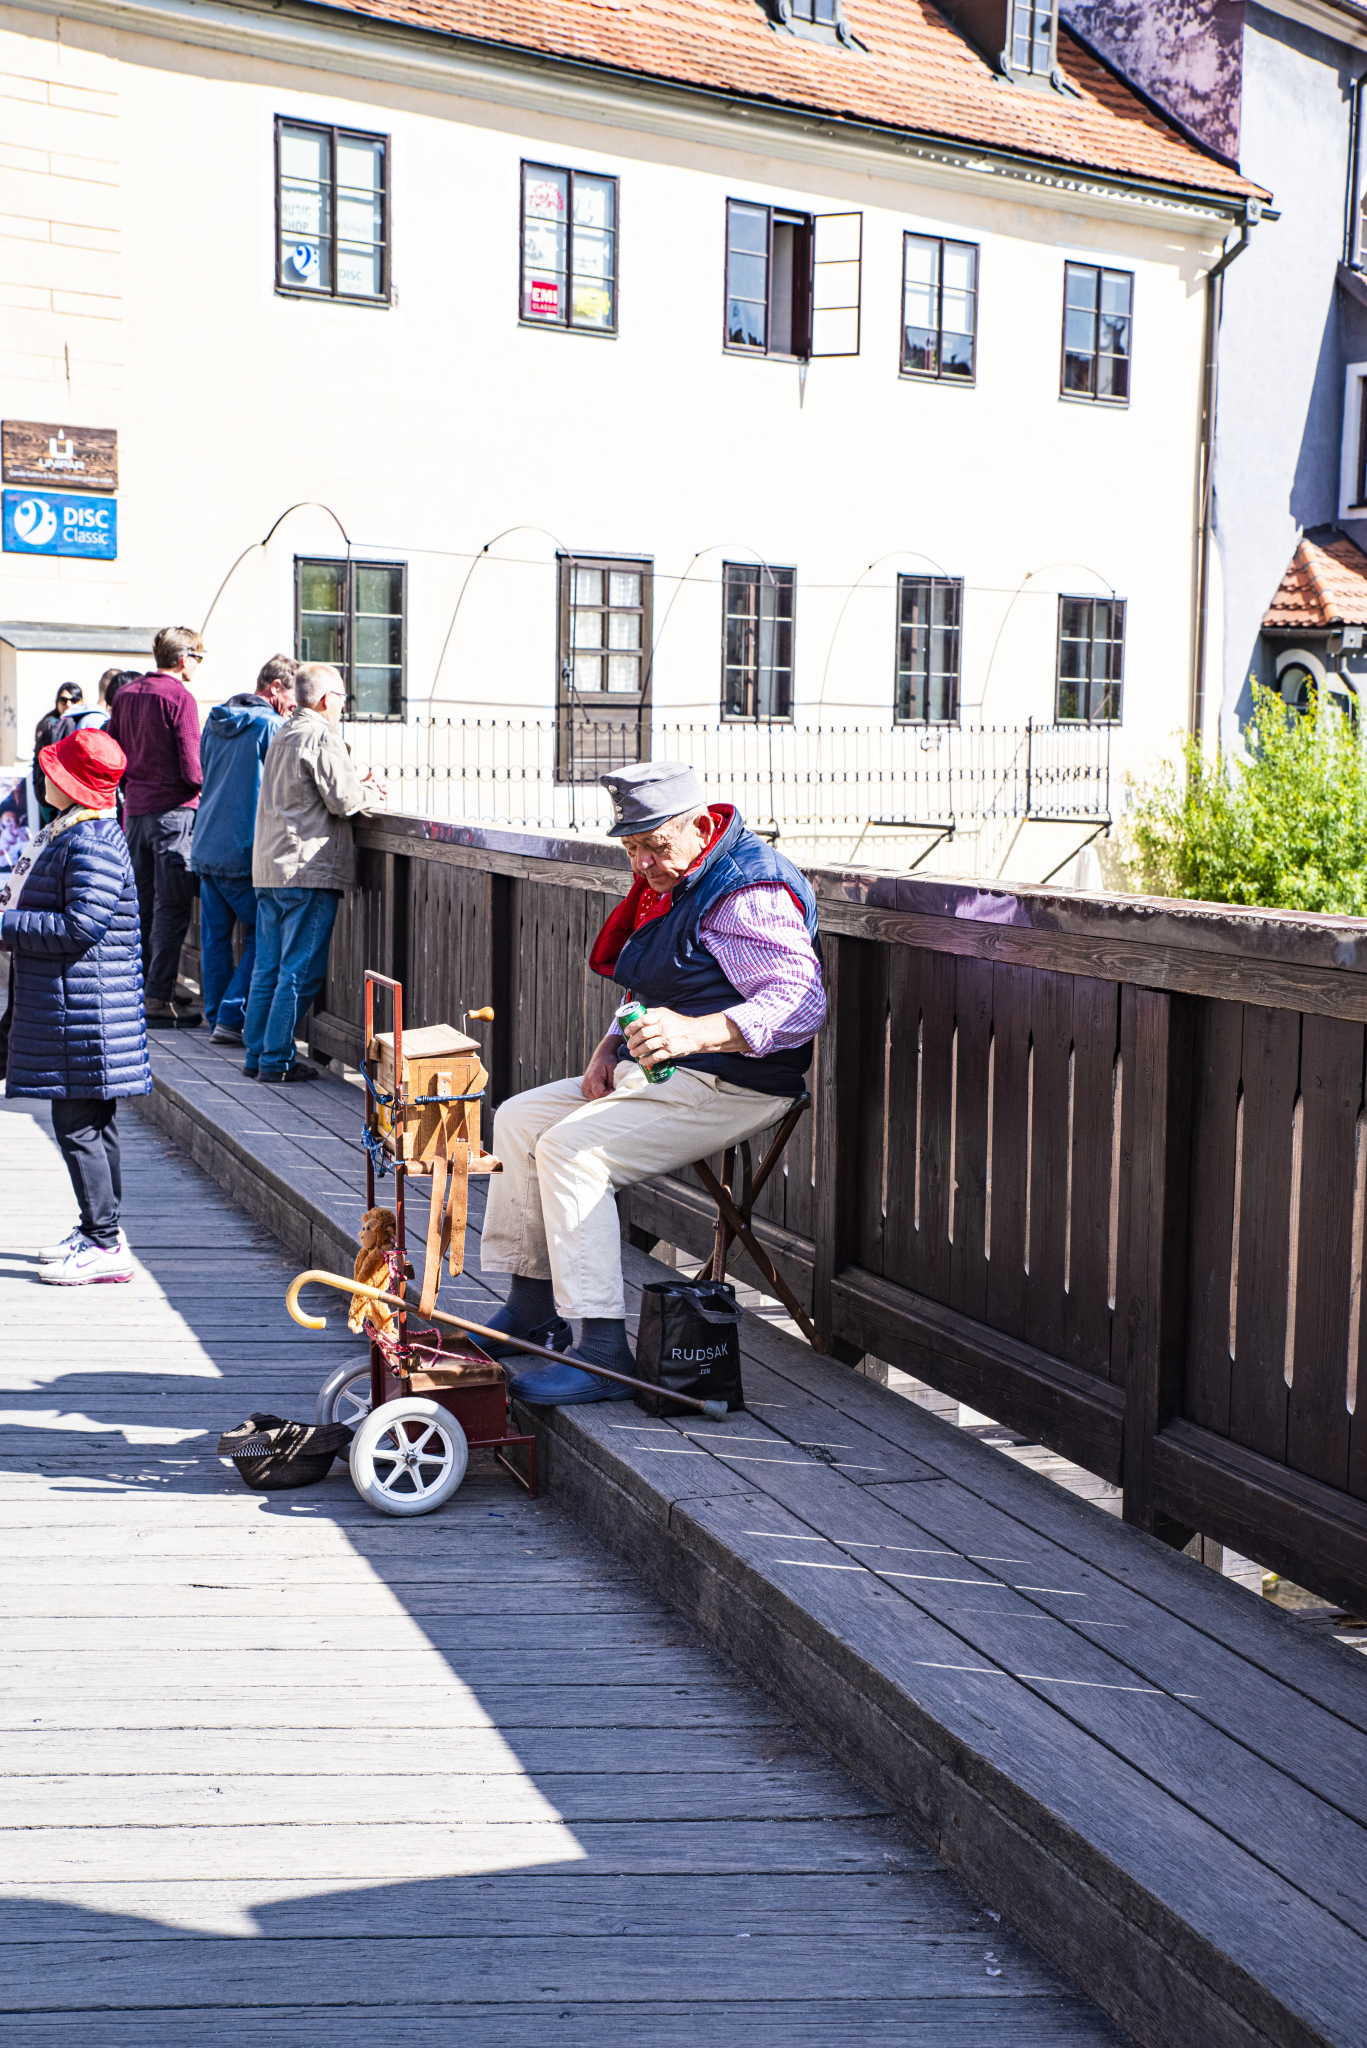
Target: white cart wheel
point(344, 1396)
point(408, 1456)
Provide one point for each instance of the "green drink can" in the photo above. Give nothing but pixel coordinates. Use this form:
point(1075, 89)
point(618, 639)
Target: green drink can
point(631, 1012)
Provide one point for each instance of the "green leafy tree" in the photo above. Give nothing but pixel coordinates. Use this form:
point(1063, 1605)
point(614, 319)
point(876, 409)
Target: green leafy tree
point(1285, 828)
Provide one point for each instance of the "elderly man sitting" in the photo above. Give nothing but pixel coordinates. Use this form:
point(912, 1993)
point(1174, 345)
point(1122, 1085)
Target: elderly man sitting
point(717, 938)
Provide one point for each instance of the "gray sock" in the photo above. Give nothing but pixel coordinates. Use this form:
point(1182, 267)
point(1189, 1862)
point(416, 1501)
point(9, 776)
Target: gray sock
point(530, 1303)
point(605, 1342)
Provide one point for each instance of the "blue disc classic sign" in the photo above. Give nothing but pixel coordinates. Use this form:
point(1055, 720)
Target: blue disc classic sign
point(59, 523)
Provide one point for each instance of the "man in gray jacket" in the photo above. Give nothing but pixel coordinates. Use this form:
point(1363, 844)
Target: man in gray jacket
point(303, 857)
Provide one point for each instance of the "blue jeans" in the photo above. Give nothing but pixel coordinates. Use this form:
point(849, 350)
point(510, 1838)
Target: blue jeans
point(226, 900)
point(293, 934)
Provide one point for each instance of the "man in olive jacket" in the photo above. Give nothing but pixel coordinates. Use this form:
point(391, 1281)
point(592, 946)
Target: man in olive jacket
point(303, 857)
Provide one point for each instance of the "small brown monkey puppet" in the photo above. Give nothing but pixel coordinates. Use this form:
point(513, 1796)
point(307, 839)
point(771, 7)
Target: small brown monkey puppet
point(376, 1236)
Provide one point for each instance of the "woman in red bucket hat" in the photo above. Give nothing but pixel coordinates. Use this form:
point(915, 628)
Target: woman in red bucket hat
point(76, 1033)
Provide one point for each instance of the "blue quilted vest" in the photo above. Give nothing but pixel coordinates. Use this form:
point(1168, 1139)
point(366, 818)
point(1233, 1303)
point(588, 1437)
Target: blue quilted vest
point(667, 965)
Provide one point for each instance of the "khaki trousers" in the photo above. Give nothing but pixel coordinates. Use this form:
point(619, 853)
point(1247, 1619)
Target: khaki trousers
point(551, 1213)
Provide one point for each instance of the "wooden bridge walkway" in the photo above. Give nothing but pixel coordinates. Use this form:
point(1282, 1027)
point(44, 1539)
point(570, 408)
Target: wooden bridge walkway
point(277, 1770)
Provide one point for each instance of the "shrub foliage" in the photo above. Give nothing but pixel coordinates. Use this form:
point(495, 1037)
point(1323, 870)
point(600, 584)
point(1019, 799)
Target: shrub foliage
point(1284, 828)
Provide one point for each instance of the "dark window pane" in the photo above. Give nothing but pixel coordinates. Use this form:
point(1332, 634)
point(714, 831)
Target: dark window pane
point(958, 355)
point(379, 641)
point(1113, 377)
point(321, 639)
point(1077, 373)
point(1115, 335)
point(378, 589)
point(322, 586)
point(376, 693)
point(744, 323)
point(918, 349)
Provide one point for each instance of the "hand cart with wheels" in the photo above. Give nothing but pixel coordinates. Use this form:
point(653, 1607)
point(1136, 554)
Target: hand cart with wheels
point(425, 1400)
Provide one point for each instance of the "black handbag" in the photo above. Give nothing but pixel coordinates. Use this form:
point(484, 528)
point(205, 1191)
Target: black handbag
point(271, 1454)
point(689, 1343)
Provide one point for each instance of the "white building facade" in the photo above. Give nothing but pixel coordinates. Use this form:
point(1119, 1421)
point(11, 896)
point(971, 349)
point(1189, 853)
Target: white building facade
point(598, 406)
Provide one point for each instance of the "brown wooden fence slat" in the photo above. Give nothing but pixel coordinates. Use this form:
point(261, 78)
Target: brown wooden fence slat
point(1318, 1421)
point(1271, 1060)
point(881, 1110)
point(1155, 1180)
point(927, 1269)
point(973, 1018)
point(1053, 1038)
point(1217, 1064)
point(1012, 994)
point(1087, 1314)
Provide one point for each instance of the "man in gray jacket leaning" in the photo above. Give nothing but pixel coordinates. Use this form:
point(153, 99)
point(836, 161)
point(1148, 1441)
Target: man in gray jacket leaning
point(303, 858)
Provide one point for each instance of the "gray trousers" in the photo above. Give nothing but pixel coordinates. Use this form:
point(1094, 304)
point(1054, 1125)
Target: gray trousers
point(159, 844)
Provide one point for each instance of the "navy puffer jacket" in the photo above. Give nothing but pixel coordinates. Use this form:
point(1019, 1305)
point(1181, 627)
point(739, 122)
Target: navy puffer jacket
point(78, 1027)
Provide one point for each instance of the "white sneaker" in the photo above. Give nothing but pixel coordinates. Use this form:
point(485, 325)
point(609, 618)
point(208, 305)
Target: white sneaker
point(54, 1254)
point(87, 1265)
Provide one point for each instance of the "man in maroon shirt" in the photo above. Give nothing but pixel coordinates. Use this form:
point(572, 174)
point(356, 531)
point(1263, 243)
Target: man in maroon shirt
point(156, 722)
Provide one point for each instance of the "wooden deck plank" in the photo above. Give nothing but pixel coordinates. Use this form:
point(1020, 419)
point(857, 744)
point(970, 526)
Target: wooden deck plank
point(1049, 2022)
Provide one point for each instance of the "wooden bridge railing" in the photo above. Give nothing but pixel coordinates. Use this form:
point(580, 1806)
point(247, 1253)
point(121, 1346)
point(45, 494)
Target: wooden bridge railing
point(1098, 1168)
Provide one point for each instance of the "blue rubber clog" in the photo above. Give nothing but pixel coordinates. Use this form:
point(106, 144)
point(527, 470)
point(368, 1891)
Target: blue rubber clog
point(556, 1335)
point(562, 1386)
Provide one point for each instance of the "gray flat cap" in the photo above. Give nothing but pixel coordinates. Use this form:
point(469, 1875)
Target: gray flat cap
point(644, 796)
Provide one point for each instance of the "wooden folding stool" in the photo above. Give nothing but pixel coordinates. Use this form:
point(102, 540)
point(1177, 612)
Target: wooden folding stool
point(734, 1212)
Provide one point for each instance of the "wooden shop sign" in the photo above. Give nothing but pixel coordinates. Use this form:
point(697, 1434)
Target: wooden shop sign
point(66, 458)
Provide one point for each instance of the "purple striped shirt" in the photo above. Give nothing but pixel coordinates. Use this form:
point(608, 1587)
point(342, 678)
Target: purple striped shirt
point(758, 938)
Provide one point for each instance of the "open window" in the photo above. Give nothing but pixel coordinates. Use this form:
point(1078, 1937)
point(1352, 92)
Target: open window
point(792, 281)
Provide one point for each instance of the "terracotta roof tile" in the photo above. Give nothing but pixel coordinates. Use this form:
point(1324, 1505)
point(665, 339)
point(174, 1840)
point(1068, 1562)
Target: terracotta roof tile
point(1326, 585)
point(916, 74)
